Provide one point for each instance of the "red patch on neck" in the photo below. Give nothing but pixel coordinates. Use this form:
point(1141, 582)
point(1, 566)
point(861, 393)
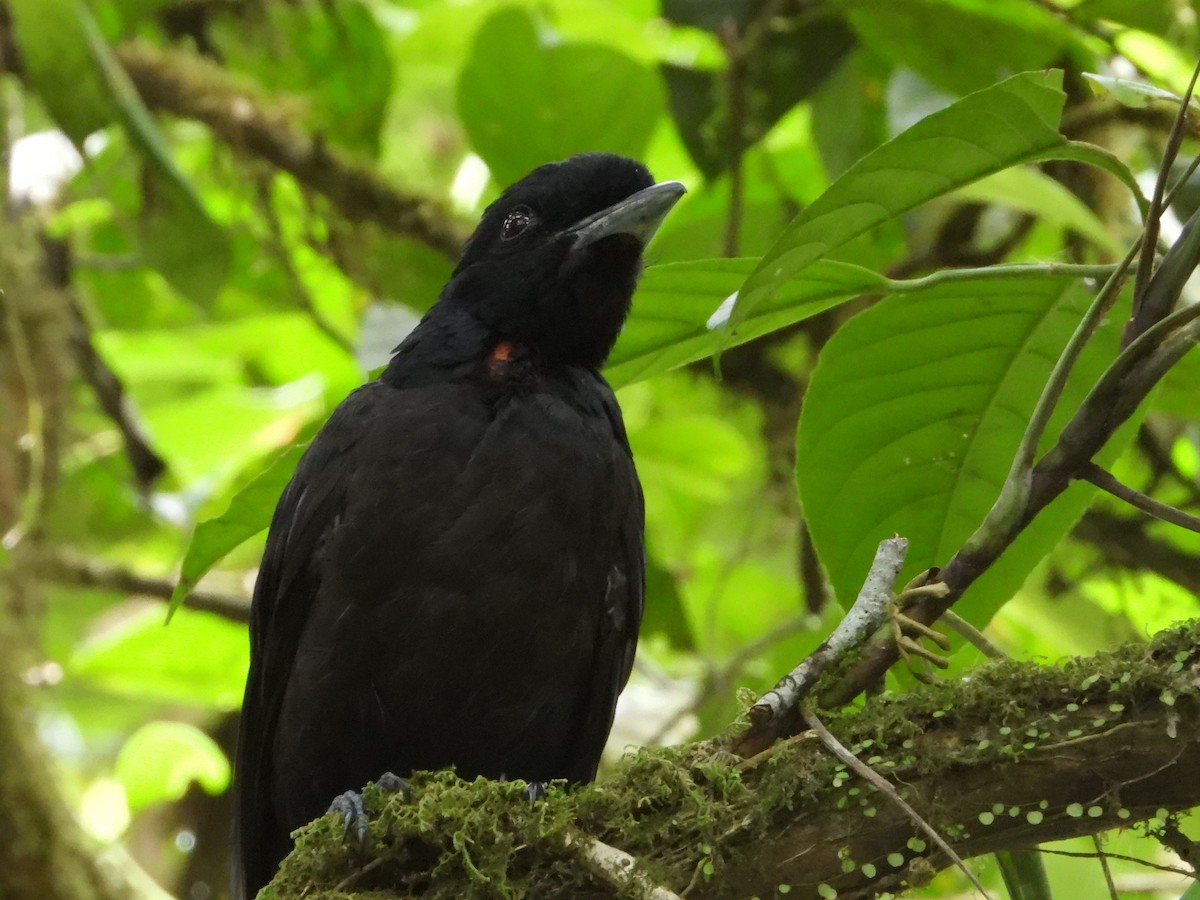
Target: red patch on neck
point(500, 356)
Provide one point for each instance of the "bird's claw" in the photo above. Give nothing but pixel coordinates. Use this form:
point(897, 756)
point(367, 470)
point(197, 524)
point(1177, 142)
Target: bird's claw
point(907, 632)
point(354, 814)
point(350, 807)
point(535, 791)
point(392, 783)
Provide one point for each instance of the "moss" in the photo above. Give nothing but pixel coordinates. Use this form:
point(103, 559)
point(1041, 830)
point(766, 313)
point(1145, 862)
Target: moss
point(446, 833)
point(687, 813)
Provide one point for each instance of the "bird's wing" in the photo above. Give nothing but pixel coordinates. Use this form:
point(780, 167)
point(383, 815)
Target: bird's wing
point(287, 581)
point(624, 600)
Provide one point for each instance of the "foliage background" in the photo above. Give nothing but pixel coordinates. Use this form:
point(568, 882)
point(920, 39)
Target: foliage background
point(247, 240)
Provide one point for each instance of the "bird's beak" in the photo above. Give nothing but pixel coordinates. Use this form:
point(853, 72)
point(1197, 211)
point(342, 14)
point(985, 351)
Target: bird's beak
point(639, 216)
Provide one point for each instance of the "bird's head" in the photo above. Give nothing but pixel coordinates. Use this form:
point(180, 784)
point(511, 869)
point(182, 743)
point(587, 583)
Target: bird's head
point(554, 262)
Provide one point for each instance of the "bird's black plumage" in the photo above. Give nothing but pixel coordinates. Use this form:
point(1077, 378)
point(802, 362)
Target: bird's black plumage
point(454, 575)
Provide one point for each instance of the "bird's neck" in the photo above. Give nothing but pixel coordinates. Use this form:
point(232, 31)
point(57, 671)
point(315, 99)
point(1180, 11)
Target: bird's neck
point(452, 344)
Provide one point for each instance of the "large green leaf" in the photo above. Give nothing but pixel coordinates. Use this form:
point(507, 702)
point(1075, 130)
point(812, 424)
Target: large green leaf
point(1156, 16)
point(249, 512)
point(912, 417)
point(849, 112)
point(927, 36)
point(200, 661)
point(667, 326)
point(161, 760)
point(58, 64)
point(333, 55)
point(1030, 190)
point(179, 238)
point(788, 66)
point(1011, 123)
point(525, 102)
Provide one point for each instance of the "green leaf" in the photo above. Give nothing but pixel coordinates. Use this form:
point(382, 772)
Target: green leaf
point(1131, 93)
point(849, 113)
point(179, 239)
point(334, 55)
point(1157, 16)
point(667, 326)
point(1192, 893)
point(249, 512)
point(926, 36)
point(54, 49)
point(525, 101)
point(1011, 123)
point(1032, 191)
point(912, 417)
point(788, 67)
point(138, 10)
point(200, 661)
point(161, 760)
point(665, 614)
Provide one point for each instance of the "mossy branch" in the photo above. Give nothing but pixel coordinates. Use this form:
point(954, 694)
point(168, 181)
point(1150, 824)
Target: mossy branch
point(1021, 754)
point(193, 88)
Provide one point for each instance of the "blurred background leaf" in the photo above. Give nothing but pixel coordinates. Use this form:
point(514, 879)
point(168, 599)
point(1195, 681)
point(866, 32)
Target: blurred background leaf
point(175, 228)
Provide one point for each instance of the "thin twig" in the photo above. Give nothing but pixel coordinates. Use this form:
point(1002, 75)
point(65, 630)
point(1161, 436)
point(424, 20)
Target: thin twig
point(110, 392)
point(1142, 316)
point(65, 569)
point(1104, 867)
point(862, 620)
point(885, 787)
point(735, 124)
point(33, 440)
point(1014, 271)
point(1104, 480)
point(277, 244)
point(1162, 867)
point(720, 677)
point(1014, 493)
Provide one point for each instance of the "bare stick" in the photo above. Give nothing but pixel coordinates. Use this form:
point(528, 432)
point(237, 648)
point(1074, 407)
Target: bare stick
point(1143, 315)
point(68, 570)
point(114, 400)
point(885, 787)
point(862, 620)
point(1104, 480)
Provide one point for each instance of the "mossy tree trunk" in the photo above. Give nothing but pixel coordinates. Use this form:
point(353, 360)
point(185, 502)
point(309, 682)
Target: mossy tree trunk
point(44, 854)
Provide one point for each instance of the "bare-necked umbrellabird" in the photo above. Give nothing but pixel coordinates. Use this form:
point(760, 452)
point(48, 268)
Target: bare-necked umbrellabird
point(454, 575)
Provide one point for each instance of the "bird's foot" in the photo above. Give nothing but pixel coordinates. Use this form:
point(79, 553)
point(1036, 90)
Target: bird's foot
point(908, 632)
point(349, 806)
point(534, 790)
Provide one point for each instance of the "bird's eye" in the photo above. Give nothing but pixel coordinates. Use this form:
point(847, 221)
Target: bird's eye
point(518, 220)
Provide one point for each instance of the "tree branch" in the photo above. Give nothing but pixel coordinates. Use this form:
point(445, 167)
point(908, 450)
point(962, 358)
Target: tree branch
point(1020, 754)
point(193, 88)
point(78, 572)
point(1102, 479)
point(1124, 542)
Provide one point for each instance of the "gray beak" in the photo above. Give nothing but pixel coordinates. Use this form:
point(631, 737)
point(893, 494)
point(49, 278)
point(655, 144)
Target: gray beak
point(638, 216)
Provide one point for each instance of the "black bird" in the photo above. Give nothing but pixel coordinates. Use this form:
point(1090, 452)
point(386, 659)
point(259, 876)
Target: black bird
point(455, 574)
